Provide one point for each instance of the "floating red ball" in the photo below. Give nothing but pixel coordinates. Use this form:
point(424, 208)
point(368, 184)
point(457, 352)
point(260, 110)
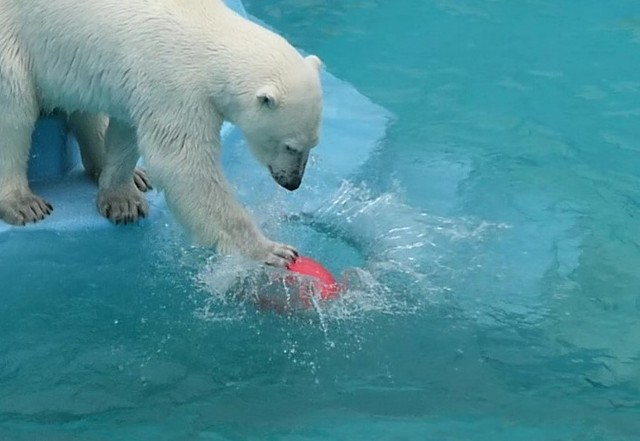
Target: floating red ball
point(324, 282)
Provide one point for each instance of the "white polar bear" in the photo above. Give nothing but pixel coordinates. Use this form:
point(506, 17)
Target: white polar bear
point(167, 73)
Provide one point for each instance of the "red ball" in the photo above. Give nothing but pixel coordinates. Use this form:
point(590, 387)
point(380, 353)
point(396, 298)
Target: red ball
point(324, 281)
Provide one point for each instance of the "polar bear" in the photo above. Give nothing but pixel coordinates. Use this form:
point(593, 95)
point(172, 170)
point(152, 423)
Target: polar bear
point(167, 73)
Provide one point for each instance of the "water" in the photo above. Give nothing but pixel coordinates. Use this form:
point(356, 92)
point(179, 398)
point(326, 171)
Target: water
point(489, 241)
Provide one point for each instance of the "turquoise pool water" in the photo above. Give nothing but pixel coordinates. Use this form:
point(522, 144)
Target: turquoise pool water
point(490, 241)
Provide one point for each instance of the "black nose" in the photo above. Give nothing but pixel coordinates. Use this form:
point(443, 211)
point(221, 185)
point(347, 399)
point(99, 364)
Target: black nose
point(291, 184)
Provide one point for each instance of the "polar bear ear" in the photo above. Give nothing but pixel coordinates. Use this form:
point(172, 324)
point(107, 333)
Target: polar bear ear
point(268, 96)
point(314, 61)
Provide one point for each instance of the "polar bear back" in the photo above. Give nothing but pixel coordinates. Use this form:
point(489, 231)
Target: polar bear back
point(107, 56)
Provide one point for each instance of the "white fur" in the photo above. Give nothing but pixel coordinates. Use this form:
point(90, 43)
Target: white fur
point(167, 73)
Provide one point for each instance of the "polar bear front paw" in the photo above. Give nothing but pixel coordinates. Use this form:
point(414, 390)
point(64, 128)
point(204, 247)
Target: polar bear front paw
point(279, 255)
point(123, 205)
point(23, 209)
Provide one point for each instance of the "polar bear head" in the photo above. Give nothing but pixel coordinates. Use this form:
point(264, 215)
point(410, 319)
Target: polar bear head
point(282, 120)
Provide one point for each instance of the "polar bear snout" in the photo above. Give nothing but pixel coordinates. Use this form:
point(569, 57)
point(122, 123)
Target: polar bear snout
point(289, 180)
point(287, 168)
point(291, 184)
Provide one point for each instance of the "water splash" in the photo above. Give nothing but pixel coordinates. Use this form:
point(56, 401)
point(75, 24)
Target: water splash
point(406, 261)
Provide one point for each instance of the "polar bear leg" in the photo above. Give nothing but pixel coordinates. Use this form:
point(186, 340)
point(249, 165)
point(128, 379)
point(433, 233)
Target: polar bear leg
point(18, 205)
point(119, 200)
point(186, 167)
point(90, 130)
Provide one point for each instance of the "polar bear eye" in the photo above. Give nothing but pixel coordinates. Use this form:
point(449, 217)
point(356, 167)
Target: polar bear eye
point(289, 149)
